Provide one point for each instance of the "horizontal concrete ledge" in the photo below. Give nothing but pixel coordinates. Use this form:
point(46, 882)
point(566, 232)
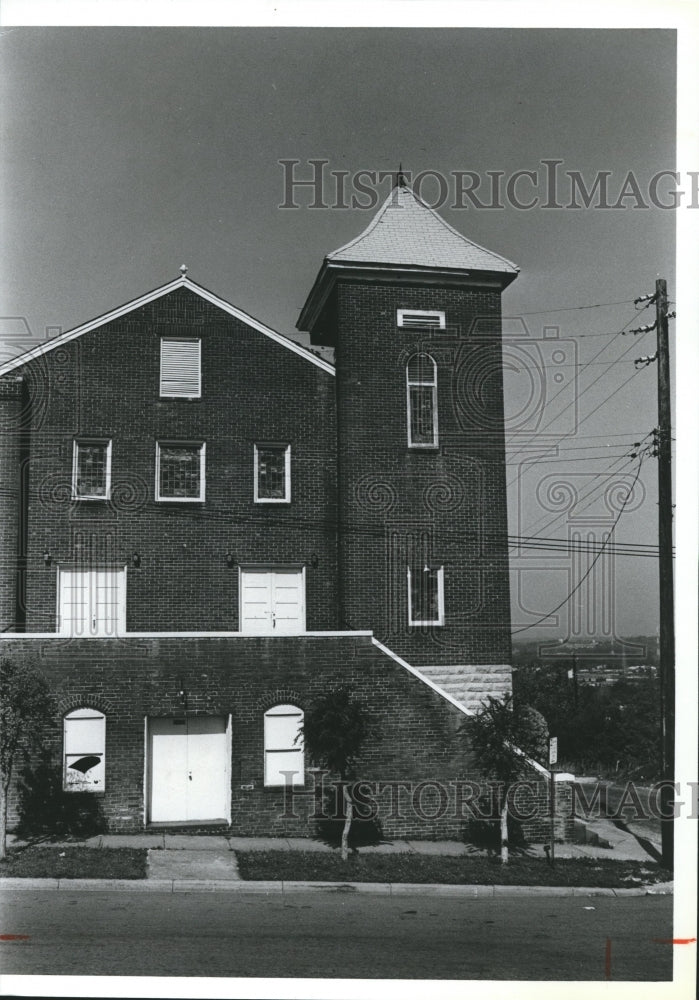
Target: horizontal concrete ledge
point(7, 636)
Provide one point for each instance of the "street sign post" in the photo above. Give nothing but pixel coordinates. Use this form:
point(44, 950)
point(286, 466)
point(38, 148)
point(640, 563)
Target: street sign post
point(553, 759)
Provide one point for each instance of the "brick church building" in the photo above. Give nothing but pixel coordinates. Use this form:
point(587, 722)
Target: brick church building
point(204, 525)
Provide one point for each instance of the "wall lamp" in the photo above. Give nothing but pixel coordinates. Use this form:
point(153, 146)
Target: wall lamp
point(47, 557)
point(314, 561)
point(136, 560)
point(230, 559)
point(182, 695)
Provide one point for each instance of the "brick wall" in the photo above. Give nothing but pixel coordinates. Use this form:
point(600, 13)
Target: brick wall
point(106, 384)
point(395, 501)
point(414, 733)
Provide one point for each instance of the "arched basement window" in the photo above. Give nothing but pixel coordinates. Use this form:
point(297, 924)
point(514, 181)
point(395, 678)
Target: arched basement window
point(84, 738)
point(284, 757)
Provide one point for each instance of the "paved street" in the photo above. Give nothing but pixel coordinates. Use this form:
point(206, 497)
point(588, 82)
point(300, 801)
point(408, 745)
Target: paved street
point(336, 934)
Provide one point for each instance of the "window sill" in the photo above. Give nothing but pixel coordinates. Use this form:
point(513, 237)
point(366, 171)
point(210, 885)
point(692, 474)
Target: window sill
point(271, 500)
point(199, 500)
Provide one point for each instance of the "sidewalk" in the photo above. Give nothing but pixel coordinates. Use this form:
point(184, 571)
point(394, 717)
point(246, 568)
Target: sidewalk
point(624, 846)
point(189, 863)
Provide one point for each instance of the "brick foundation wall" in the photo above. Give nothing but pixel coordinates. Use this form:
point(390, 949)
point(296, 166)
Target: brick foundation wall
point(414, 732)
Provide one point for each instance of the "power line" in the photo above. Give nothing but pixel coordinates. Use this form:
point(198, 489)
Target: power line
point(592, 564)
point(631, 347)
point(593, 305)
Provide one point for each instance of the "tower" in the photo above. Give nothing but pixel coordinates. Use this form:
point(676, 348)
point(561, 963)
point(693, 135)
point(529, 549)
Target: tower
point(412, 309)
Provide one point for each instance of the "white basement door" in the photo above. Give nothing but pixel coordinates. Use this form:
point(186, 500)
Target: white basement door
point(272, 602)
point(189, 774)
point(92, 602)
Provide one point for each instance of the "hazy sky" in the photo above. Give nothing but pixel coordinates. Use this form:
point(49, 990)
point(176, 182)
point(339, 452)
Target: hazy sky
point(127, 152)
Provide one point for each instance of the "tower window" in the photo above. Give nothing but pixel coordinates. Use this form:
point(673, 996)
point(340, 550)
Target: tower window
point(426, 595)
point(421, 373)
point(421, 318)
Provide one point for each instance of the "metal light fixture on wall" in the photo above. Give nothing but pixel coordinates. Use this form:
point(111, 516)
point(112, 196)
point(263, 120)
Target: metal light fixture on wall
point(47, 557)
point(230, 559)
point(314, 561)
point(136, 560)
point(182, 695)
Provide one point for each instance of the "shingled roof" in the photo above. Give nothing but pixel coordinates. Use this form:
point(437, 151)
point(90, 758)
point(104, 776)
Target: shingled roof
point(407, 231)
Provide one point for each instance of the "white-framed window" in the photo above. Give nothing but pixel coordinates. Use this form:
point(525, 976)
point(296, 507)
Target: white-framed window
point(272, 473)
point(92, 468)
point(421, 380)
point(180, 367)
point(91, 602)
point(180, 471)
point(426, 595)
point(431, 319)
point(84, 741)
point(284, 755)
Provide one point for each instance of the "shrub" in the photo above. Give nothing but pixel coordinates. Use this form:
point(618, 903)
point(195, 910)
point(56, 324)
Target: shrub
point(46, 810)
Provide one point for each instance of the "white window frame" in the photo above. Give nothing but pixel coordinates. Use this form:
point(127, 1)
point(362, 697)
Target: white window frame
point(201, 445)
point(297, 780)
point(74, 716)
point(180, 395)
point(440, 597)
point(422, 384)
point(287, 472)
point(88, 442)
point(422, 318)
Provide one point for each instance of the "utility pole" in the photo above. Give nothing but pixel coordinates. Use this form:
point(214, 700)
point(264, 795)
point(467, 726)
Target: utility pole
point(667, 624)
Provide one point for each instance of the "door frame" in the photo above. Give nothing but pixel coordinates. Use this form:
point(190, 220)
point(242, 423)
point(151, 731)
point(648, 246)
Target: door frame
point(121, 568)
point(148, 774)
point(271, 567)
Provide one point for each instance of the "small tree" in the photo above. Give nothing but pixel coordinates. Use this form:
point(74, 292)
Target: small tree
point(334, 728)
point(503, 737)
point(26, 707)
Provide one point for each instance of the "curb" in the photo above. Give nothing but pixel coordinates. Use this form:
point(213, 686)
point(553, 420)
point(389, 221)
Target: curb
point(283, 887)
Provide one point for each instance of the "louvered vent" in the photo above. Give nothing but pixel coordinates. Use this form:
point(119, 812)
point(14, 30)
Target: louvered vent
point(180, 367)
point(421, 318)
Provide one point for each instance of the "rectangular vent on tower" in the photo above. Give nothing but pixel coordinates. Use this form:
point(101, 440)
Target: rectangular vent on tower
point(421, 318)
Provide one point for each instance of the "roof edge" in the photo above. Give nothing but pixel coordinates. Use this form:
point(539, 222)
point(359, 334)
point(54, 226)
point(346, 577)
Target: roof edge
point(330, 270)
point(156, 293)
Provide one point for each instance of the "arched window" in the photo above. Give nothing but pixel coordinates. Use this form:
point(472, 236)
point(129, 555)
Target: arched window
point(284, 759)
point(84, 737)
point(421, 374)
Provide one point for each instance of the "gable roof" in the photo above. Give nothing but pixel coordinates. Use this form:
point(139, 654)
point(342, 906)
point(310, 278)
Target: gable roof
point(157, 293)
point(407, 231)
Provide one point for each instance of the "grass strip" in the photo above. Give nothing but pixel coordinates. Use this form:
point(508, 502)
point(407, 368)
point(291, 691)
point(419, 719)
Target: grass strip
point(305, 866)
point(75, 862)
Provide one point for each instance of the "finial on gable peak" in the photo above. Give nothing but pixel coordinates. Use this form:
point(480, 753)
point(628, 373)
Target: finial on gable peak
point(401, 176)
point(183, 270)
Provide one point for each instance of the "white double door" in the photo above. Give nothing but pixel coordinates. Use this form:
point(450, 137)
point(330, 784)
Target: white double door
point(272, 601)
point(91, 602)
point(189, 772)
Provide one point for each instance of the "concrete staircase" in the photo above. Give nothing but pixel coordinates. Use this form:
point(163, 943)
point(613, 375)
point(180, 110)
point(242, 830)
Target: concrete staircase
point(470, 685)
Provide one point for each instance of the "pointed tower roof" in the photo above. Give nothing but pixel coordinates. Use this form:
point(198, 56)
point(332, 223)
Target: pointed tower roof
point(407, 241)
point(407, 231)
